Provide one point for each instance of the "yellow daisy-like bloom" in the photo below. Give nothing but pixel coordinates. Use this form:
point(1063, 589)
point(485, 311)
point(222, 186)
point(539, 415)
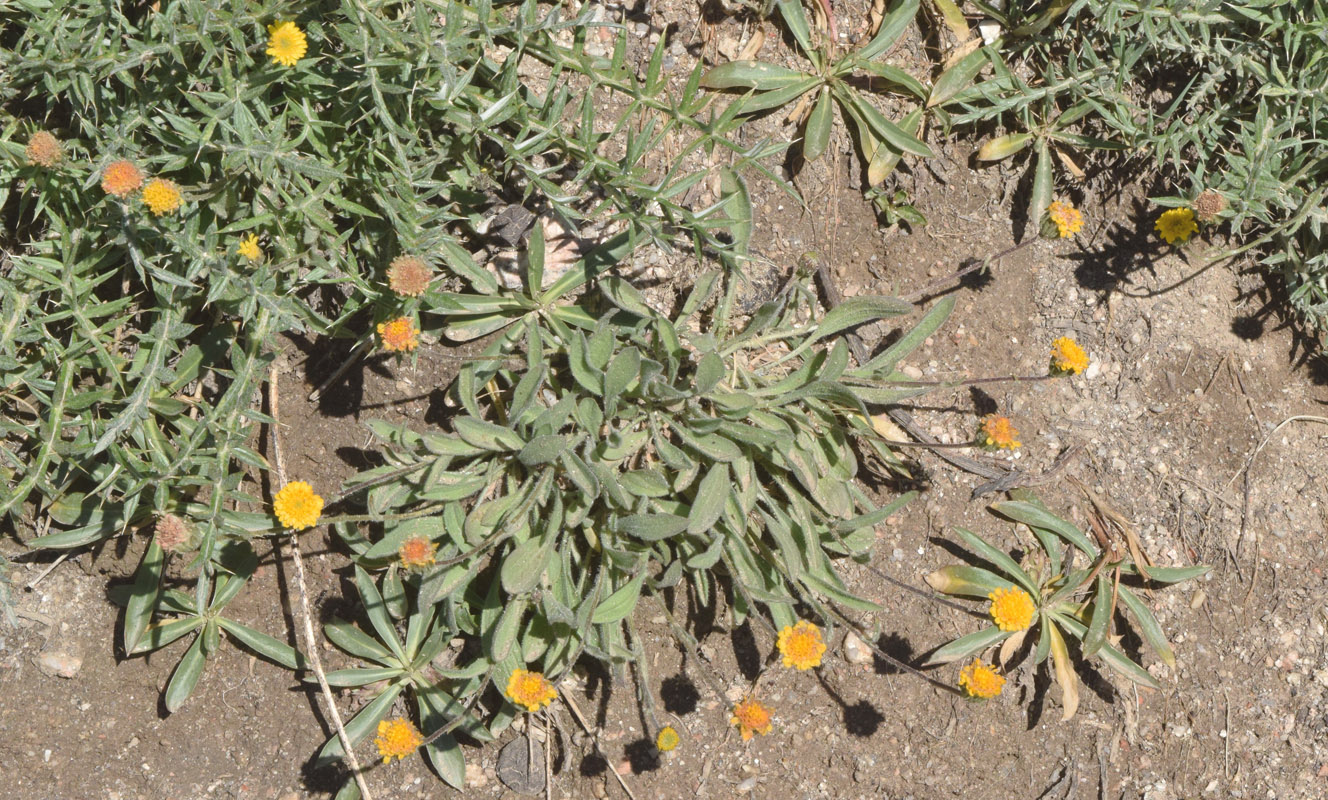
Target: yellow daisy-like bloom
point(121, 178)
point(751, 717)
point(667, 739)
point(1067, 357)
point(397, 737)
point(161, 196)
point(980, 680)
point(1067, 218)
point(286, 43)
point(408, 276)
point(417, 552)
point(997, 432)
point(399, 335)
point(248, 248)
point(296, 506)
point(801, 645)
point(530, 689)
point(1178, 223)
point(43, 150)
point(1012, 608)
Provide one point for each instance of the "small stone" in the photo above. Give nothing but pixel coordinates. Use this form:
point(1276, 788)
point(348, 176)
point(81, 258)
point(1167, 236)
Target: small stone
point(475, 777)
point(1094, 369)
point(60, 664)
point(911, 371)
point(856, 651)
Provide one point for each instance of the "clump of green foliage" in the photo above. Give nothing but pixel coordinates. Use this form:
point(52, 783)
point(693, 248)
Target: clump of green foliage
point(1207, 96)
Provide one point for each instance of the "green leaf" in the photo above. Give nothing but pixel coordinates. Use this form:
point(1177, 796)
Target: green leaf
point(1035, 515)
point(443, 753)
point(542, 450)
point(360, 726)
point(622, 371)
point(1040, 199)
point(652, 527)
point(359, 676)
point(1000, 559)
point(1004, 146)
point(1112, 657)
point(708, 504)
point(143, 595)
point(1149, 626)
point(967, 645)
point(1096, 635)
point(858, 311)
point(817, 135)
point(752, 75)
point(186, 676)
point(355, 641)
point(892, 355)
point(486, 435)
point(505, 631)
point(621, 603)
point(524, 566)
point(266, 646)
point(892, 26)
point(737, 205)
point(161, 633)
point(882, 128)
point(1064, 670)
point(1170, 574)
point(376, 610)
point(966, 581)
point(957, 78)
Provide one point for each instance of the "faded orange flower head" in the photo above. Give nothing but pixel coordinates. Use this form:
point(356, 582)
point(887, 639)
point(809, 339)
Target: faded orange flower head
point(43, 150)
point(530, 689)
point(1012, 608)
point(997, 432)
point(408, 276)
point(1067, 218)
point(399, 335)
point(980, 680)
point(397, 737)
point(161, 196)
point(417, 552)
point(286, 43)
point(751, 717)
point(296, 506)
point(801, 645)
point(1067, 357)
point(121, 178)
point(172, 532)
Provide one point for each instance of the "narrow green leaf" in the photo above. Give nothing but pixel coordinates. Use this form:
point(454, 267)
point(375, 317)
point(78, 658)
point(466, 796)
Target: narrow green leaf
point(186, 676)
point(143, 595)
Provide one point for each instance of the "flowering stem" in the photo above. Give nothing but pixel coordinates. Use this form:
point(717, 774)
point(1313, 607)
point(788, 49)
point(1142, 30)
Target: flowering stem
point(978, 381)
point(935, 285)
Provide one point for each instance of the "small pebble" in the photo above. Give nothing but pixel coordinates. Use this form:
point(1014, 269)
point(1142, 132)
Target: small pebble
point(856, 651)
point(59, 664)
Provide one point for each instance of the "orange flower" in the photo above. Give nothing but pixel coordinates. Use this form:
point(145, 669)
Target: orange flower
point(1067, 218)
point(397, 737)
point(1067, 357)
point(530, 689)
point(121, 178)
point(297, 506)
point(399, 335)
point(1012, 609)
point(161, 196)
point(667, 739)
point(417, 552)
point(980, 680)
point(751, 717)
point(997, 433)
point(43, 150)
point(408, 276)
point(801, 645)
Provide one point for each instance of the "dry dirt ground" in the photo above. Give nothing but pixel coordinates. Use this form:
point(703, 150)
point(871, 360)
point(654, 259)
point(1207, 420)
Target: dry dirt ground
point(1197, 420)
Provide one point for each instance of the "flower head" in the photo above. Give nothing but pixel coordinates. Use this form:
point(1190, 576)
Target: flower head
point(1209, 204)
point(416, 552)
point(980, 680)
point(172, 532)
point(1067, 357)
point(996, 432)
point(297, 506)
point(801, 645)
point(248, 248)
point(1067, 218)
point(751, 717)
point(1177, 223)
point(399, 335)
point(161, 196)
point(667, 739)
point(43, 150)
point(121, 178)
point(1011, 608)
point(286, 43)
point(530, 689)
point(408, 276)
point(397, 737)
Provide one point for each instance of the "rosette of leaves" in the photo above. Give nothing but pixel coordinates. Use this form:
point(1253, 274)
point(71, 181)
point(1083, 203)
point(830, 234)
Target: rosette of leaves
point(1073, 602)
point(844, 83)
point(603, 451)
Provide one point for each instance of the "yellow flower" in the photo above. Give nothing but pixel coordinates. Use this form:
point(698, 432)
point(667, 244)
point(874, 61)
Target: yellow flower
point(997, 432)
point(297, 506)
point(751, 717)
point(43, 150)
point(161, 196)
point(1067, 218)
point(667, 739)
point(397, 737)
point(1011, 608)
point(417, 552)
point(801, 645)
point(121, 178)
point(248, 248)
point(408, 276)
point(399, 335)
point(980, 680)
point(286, 43)
point(1067, 357)
point(530, 689)
point(1178, 223)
